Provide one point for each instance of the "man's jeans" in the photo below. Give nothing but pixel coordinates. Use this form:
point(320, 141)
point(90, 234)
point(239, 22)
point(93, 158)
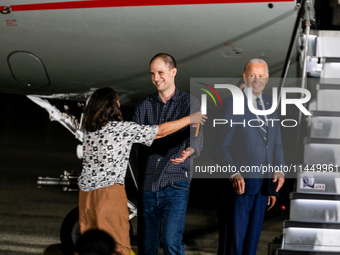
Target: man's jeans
point(163, 219)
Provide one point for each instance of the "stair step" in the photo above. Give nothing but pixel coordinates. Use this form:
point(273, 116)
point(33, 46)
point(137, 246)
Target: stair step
point(321, 182)
point(328, 97)
point(327, 43)
point(325, 114)
point(329, 86)
point(315, 211)
point(332, 60)
point(325, 126)
point(301, 252)
point(314, 225)
point(309, 140)
point(298, 195)
point(311, 236)
point(330, 73)
point(314, 207)
point(318, 151)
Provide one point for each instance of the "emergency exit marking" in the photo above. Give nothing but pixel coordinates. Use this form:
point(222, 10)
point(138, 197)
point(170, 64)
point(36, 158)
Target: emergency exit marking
point(11, 22)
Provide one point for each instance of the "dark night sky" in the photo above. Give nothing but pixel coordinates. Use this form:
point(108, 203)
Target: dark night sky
point(28, 136)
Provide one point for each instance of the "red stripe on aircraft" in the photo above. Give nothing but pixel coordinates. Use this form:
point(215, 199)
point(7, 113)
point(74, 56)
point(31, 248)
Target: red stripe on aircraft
point(123, 3)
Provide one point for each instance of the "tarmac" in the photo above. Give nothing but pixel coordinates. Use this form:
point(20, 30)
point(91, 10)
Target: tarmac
point(204, 241)
point(30, 218)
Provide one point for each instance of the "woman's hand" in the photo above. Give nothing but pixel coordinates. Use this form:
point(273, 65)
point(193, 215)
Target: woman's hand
point(197, 117)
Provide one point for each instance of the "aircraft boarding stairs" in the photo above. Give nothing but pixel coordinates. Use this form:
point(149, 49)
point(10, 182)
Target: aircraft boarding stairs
point(314, 222)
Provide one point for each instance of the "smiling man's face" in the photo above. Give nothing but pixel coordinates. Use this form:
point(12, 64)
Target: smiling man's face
point(256, 77)
point(162, 75)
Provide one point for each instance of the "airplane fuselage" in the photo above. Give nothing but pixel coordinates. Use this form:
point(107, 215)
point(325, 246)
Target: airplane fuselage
point(62, 47)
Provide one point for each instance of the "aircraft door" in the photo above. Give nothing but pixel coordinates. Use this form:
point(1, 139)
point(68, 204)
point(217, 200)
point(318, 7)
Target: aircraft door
point(28, 69)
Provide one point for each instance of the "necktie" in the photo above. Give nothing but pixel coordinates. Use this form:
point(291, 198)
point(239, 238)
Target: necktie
point(264, 127)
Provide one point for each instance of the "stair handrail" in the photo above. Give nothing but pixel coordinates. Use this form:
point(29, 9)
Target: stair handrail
point(290, 49)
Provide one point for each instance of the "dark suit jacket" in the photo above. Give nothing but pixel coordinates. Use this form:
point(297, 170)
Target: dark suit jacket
point(244, 146)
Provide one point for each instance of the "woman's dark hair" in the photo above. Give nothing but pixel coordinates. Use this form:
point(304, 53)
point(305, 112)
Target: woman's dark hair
point(101, 108)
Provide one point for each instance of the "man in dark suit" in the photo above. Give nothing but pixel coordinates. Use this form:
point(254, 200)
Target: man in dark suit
point(248, 146)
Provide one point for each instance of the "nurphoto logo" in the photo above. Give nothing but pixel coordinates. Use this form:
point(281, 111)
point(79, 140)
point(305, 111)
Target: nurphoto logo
point(238, 100)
